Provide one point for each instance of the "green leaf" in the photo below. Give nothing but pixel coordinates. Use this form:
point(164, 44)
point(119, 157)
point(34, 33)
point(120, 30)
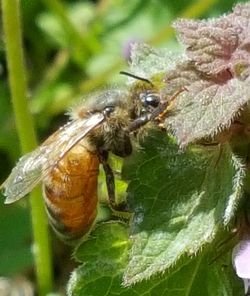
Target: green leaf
point(180, 201)
point(110, 241)
point(104, 255)
point(200, 277)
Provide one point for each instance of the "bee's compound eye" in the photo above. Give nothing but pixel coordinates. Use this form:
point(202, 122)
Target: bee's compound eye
point(108, 110)
point(149, 99)
point(152, 100)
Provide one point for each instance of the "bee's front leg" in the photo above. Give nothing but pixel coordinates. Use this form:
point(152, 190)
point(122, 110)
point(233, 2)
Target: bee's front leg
point(139, 122)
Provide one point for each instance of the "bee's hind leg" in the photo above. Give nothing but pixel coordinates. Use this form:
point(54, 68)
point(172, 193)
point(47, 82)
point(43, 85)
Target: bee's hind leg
point(110, 182)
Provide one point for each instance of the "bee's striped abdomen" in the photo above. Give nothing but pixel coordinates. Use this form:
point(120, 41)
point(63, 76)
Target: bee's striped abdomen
point(70, 193)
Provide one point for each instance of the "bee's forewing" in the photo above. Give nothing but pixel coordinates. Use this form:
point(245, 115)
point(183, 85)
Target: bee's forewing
point(24, 176)
point(36, 165)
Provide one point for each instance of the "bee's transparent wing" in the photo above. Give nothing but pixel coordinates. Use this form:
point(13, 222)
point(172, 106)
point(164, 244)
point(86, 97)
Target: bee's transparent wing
point(34, 166)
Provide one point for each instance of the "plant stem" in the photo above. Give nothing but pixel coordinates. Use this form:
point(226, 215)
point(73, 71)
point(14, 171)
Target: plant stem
point(26, 131)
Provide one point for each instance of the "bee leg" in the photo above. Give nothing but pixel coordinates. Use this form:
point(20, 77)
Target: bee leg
point(145, 118)
point(110, 182)
point(139, 122)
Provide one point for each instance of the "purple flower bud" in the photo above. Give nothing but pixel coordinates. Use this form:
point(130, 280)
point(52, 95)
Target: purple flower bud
point(127, 47)
point(241, 262)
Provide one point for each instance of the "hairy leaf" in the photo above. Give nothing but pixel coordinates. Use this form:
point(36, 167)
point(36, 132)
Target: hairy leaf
point(218, 45)
point(105, 257)
point(147, 61)
point(180, 201)
point(206, 108)
point(215, 74)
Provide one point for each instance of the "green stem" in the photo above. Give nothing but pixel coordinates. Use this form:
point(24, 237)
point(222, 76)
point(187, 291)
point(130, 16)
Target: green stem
point(26, 131)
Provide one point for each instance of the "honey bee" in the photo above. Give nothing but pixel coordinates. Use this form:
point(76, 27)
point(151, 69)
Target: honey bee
point(68, 161)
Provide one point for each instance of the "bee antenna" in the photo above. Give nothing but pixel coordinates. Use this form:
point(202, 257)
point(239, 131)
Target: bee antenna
point(136, 77)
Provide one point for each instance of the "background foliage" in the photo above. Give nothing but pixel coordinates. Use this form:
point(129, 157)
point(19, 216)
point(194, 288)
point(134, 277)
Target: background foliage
point(72, 48)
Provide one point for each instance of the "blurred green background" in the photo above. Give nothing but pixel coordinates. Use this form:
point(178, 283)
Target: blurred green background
point(73, 48)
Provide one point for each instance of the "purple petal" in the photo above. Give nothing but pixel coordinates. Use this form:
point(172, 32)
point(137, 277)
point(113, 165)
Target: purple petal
point(241, 259)
point(128, 46)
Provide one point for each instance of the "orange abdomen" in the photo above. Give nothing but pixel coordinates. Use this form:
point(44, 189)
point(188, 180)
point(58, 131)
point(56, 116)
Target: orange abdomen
point(70, 193)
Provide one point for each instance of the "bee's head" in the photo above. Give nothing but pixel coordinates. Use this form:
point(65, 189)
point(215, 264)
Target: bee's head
point(145, 96)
